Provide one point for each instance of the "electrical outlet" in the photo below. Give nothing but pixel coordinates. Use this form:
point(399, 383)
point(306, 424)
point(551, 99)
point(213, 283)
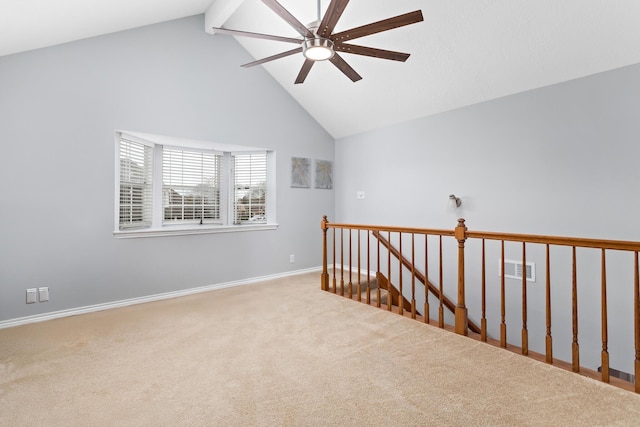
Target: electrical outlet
point(292, 258)
point(43, 294)
point(31, 295)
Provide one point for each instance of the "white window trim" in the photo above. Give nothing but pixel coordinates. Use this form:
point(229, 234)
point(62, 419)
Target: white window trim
point(157, 229)
point(182, 230)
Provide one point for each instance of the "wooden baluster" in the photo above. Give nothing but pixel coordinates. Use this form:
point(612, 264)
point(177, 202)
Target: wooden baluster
point(359, 286)
point(324, 279)
point(575, 348)
point(525, 332)
point(461, 315)
point(378, 291)
point(350, 287)
point(605, 329)
point(401, 296)
point(483, 320)
point(636, 312)
point(368, 268)
point(441, 307)
point(334, 261)
point(389, 274)
point(548, 339)
point(413, 276)
point(426, 275)
point(342, 262)
point(503, 309)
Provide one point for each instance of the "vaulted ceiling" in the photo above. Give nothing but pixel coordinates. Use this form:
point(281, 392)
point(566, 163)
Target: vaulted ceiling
point(465, 51)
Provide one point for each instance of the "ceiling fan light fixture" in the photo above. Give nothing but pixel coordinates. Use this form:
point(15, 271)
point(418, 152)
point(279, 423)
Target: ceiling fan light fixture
point(318, 49)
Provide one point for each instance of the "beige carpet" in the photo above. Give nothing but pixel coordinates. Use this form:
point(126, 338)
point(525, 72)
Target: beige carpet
point(281, 353)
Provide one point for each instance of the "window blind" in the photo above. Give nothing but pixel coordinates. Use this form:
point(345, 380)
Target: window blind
point(250, 187)
point(190, 186)
point(136, 171)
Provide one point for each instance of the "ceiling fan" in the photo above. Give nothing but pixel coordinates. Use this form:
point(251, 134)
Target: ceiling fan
point(320, 43)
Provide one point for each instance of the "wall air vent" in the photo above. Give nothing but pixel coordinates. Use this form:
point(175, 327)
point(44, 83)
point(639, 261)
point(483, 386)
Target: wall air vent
point(619, 374)
point(513, 270)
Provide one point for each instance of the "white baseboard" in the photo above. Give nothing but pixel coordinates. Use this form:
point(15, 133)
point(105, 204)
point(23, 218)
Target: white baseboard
point(141, 300)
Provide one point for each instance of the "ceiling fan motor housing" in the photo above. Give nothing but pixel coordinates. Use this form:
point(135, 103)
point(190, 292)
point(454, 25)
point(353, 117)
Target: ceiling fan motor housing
point(318, 48)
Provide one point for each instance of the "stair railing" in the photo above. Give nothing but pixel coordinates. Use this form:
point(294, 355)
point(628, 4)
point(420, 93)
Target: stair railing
point(337, 284)
point(461, 322)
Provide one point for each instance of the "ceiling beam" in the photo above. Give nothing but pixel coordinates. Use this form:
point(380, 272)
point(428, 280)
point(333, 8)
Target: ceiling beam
point(218, 13)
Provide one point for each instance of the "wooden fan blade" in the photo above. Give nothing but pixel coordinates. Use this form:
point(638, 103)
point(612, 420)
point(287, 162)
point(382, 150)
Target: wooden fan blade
point(289, 18)
point(331, 17)
point(304, 71)
point(271, 58)
point(256, 35)
point(345, 68)
point(378, 27)
point(369, 51)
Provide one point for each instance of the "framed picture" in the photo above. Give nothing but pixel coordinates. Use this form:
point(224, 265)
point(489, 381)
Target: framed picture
point(300, 172)
point(324, 174)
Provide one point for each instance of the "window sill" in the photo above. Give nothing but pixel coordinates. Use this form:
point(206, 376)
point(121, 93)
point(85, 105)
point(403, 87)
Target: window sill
point(188, 230)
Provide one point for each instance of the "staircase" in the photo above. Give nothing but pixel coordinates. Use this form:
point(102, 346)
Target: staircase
point(376, 292)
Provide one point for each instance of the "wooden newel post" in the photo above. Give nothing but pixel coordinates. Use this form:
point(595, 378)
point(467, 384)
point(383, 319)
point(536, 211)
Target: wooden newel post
point(324, 277)
point(636, 316)
point(461, 309)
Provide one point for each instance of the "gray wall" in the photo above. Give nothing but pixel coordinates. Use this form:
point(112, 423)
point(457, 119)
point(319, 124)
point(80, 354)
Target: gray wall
point(59, 108)
point(561, 160)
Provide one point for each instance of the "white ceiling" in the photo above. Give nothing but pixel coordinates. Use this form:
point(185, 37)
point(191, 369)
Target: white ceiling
point(466, 51)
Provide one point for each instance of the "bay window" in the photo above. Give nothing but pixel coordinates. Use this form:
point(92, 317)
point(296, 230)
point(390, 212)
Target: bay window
point(168, 188)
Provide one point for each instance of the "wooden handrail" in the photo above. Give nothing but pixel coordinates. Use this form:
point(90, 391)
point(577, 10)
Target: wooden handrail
point(578, 242)
point(450, 305)
point(431, 231)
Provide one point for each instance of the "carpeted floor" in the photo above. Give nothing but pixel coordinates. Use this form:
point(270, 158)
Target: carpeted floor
point(281, 353)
